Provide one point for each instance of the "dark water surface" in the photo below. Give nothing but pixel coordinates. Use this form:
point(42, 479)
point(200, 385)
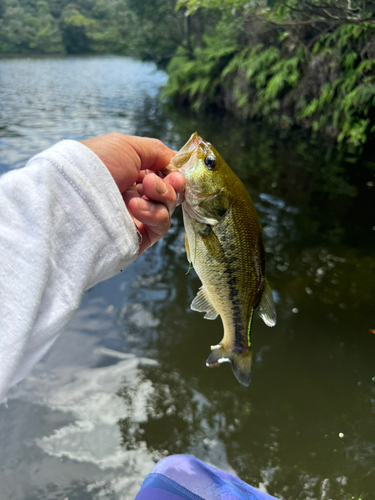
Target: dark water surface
point(126, 383)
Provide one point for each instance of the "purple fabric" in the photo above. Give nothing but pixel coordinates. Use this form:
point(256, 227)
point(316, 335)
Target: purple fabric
point(187, 477)
point(155, 494)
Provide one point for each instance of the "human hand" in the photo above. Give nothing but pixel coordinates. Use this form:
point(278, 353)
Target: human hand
point(150, 199)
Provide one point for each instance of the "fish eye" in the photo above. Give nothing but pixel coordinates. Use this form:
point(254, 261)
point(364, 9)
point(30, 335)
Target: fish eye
point(210, 162)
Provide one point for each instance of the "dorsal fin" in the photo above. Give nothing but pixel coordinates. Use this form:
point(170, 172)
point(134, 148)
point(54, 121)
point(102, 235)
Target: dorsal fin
point(266, 309)
point(202, 304)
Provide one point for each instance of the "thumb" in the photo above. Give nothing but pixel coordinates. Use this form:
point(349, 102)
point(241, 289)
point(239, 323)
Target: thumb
point(125, 156)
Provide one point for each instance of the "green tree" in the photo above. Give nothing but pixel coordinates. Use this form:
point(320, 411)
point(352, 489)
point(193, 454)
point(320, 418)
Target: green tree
point(25, 29)
point(156, 29)
point(306, 63)
point(75, 26)
point(45, 37)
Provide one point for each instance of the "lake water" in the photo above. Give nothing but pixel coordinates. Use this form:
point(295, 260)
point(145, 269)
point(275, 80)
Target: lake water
point(126, 383)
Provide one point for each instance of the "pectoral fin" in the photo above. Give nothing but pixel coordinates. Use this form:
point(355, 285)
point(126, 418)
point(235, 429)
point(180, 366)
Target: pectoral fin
point(213, 244)
point(197, 214)
point(187, 249)
point(202, 304)
point(216, 205)
point(266, 309)
point(208, 208)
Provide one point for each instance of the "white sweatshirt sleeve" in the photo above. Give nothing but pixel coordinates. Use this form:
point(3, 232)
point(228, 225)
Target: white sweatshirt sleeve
point(63, 228)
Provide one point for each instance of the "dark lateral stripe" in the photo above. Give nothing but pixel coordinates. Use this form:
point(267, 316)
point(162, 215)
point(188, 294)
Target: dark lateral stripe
point(240, 333)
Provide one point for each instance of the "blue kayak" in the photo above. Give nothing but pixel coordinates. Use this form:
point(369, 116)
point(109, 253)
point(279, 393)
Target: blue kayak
point(184, 477)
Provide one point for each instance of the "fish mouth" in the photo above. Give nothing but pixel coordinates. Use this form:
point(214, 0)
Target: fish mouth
point(179, 161)
point(191, 144)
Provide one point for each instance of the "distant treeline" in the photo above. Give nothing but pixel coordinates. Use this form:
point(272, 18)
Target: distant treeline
point(308, 63)
point(148, 29)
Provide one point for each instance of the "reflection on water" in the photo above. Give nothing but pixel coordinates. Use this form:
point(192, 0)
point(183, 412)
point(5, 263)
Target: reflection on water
point(45, 100)
point(126, 384)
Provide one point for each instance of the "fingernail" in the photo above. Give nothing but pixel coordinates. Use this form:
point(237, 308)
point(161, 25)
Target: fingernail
point(145, 206)
point(161, 188)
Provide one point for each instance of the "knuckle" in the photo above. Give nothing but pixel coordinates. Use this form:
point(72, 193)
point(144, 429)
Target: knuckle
point(158, 147)
point(115, 136)
point(157, 144)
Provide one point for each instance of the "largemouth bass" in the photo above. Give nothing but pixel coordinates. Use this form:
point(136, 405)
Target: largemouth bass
point(224, 244)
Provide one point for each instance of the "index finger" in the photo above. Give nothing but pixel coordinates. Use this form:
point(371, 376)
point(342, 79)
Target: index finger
point(153, 154)
point(125, 156)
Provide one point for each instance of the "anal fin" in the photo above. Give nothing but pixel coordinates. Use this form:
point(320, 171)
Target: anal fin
point(267, 309)
point(202, 304)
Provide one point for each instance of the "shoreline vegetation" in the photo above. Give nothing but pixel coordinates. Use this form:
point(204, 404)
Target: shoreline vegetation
point(308, 64)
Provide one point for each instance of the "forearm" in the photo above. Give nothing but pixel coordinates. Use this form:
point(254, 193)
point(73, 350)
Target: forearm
point(63, 228)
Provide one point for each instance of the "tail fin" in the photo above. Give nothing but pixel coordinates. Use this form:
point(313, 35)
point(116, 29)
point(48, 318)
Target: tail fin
point(241, 363)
